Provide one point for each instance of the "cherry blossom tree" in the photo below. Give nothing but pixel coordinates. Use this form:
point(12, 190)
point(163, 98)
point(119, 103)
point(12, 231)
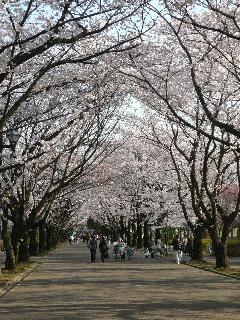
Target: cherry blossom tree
point(49, 52)
point(81, 143)
point(206, 172)
point(134, 201)
point(39, 37)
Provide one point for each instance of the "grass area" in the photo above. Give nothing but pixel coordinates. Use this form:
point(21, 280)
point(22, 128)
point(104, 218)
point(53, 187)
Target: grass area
point(10, 276)
point(204, 265)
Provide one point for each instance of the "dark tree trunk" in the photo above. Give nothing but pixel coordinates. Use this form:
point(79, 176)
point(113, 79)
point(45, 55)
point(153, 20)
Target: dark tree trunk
point(220, 250)
point(150, 234)
point(129, 238)
point(220, 246)
point(122, 228)
point(197, 247)
point(157, 235)
point(134, 235)
point(146, 235)
point(114, 235)
point(34, 243)
point(23, 255)
point(42, 237)
point(139, 232)
point(49, 238)
point(15, 241)
point(10, 257)
point(56, 238)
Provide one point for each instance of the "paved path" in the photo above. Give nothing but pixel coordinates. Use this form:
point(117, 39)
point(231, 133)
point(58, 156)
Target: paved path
point(67, 287)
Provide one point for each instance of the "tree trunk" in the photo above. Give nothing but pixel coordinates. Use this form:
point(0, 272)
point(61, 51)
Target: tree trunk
point(114, 235)
point(150, 234)
point(10, 257)
point(15, 242)
point(146, 235)
point(197, 249)
point(122, 228)
point(139, 232)
point(42, 238)
point(129, 238)
point(34, 243)
point(23, 255)
point(220, 247)
point(221, 255)
point(157, 235)
point(134, 235)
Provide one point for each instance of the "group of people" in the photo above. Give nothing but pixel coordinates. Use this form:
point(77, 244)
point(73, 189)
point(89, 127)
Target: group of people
point(103, 247)
point(121, 250)
point(156, 251)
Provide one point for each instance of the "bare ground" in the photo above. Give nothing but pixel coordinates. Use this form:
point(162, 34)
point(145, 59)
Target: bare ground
point(67, 286)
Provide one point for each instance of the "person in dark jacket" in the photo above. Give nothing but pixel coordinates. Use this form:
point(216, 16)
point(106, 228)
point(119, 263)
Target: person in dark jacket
point(103, 248)
point(93, 248)
point(177, 249)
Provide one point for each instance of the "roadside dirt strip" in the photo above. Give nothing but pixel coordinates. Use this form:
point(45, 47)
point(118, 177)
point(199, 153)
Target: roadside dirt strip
point(8, 286)
point(66, 286)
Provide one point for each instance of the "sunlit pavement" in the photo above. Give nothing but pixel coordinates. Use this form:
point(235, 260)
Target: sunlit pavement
point(67, 286)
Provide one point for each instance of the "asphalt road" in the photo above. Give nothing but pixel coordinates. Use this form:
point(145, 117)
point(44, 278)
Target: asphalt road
point(67, 286)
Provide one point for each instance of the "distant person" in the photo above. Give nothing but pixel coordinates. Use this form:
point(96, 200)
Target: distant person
point(177, 249)
point(71, 239)
point(86, 238)
point(129, 252)
point(146, 253)
point(93, 248)
point(122, 251)
point(103, 248)
point(190, 246)
point(209, 248)
point(116, 251)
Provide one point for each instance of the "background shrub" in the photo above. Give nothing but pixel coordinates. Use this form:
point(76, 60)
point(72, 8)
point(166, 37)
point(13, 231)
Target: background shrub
point(233, 247)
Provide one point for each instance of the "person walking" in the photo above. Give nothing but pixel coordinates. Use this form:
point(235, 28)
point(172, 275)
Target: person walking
point(71, 239)
point(93, 248)
point(122, 251)
point(177, 249)
point(129, 252)
point(103, 248)
point(190, 246)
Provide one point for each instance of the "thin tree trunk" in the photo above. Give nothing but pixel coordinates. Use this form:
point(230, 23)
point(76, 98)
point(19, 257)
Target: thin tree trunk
point(10, 263)
point(134, 235)
point(157, 235)
point(15, 242)
point(34, 243)
point(129, 238)
point(122, 228)
point(139, 232)
point(42, 238)
point(146, 235)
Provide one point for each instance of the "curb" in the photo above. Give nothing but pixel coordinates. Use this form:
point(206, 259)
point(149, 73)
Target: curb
point(21, 277)
point(211, 270)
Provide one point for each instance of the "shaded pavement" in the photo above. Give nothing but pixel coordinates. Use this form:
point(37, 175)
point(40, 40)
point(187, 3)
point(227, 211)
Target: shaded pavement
point(67, 286)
